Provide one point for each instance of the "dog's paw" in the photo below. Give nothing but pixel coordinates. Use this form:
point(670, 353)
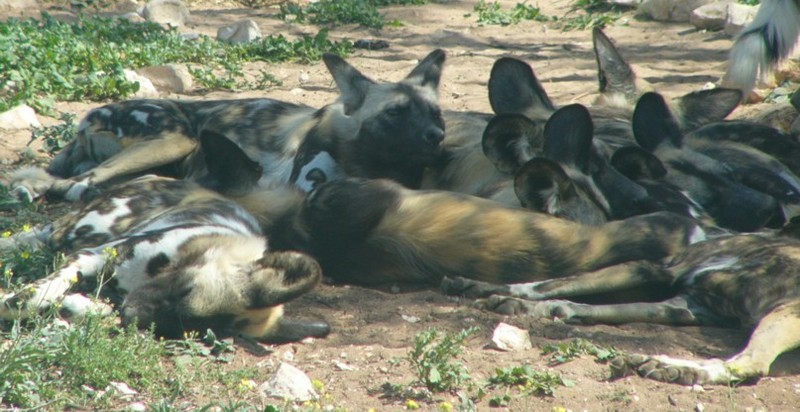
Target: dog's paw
point(30, 183)
point(504, 305)
point(468, 288)
point(670, 370)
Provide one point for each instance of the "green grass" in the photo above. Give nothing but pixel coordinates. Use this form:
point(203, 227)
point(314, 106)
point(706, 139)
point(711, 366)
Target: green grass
point(529, 380)
point(568, 351)
point(493, 14)
point(337, 12)
point(432, 359)
point(47, 60)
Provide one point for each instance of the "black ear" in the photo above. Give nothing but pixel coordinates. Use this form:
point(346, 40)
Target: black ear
point(541, 182)
point(510, 140)
point(568, 137)
point(653, 123)
point(513, 88)
point(428, 72)
point(636, 163)
point(230, 170)
point(352, 84)
point(614, 74)
point(706, 106)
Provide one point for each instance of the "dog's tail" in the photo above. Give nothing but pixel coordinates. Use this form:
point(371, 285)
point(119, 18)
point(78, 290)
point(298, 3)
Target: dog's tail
point(763, 44)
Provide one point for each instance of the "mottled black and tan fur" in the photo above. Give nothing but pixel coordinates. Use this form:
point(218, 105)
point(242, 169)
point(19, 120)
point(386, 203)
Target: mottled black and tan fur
point(375, 232)
point(387, 130)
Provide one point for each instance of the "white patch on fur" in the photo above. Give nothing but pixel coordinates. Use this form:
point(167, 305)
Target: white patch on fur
point(526, 291)
point(101, 223)
point(698, 235)
point(76, 191)
point(325, 163)
point(140, 116)
point(120, 133)
point(710, 265)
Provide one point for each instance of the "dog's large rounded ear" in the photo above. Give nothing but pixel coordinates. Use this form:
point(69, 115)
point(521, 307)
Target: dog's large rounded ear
point(541, 183)
point(510, 140)
point(636, 163)
point(614, 75)
point(514, 88)
point(230, 170)
point(352, 85)
point(702, 107)
point(568, 137)
point(428, 72)
point(279, 277)
point(654, 124)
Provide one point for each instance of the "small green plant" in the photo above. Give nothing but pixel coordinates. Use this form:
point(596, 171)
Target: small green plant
point(58, 136)
point(491, 13)
point(590, 14)
point(337, 12)
point(528, 380)
point(45, 60)
point(568, 351)
point(432, 359)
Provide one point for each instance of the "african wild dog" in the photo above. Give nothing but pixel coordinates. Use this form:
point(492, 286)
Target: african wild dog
point(373, 232)
point(750, 281)
point(183, 257)
point(763, 44)
point(389, 130)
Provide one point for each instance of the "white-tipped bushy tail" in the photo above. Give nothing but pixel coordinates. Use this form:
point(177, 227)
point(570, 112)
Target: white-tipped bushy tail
point(763, 44)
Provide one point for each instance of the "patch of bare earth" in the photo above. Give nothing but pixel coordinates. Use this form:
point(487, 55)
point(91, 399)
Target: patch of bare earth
point(370, 328)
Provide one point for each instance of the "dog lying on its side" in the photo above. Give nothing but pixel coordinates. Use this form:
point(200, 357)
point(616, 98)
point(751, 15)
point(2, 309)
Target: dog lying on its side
point(752, 281)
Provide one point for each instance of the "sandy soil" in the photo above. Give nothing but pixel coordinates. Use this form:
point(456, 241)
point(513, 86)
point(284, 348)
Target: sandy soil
point(371, 330)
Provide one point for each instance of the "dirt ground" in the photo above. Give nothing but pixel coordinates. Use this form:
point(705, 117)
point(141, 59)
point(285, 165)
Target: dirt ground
point(373, 329)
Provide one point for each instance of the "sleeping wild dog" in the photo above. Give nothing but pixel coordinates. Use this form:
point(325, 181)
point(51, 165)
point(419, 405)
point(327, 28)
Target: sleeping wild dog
point(389, 130)
point(750, 281)
point(182, 257)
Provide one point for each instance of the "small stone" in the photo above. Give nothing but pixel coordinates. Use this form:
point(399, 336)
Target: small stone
point(169, 77)
point(19, 117)
point(699, 407)
point(671, 10)
point(289, 383)
point(410, 319)
point(146, 88)
point(136, 407)
point(739, 16)
point(672, 400)
point(710, 16)
point(244, 31)
point(510, 338)
point(173, 13)
point(697, 388)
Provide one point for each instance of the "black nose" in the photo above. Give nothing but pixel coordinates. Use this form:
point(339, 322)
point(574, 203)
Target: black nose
point(434, 136)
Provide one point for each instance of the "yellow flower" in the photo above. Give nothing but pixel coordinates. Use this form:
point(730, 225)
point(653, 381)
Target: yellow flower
point(26, 227)
point(7, 233)
point(319, 386)
point(446, 406)
point(412, 405)
point(25, 255)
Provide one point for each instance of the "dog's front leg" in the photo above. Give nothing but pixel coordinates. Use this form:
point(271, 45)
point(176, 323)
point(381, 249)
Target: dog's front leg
point(46, 292)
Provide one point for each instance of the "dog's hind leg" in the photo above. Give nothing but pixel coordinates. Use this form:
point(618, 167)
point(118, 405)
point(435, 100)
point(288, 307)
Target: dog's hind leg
point(776, 333)
point(613, 278)
point(675, 311)
point(136, 158)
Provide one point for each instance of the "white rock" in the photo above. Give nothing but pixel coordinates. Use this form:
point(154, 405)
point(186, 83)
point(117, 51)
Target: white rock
point(739, 16)
point(136, 407)
point(19, 117)
point(169, 77)
point(710, 16)
point(174, 13)
point(133, 17)
point(19, 4)
point(671, 10)
point(289, 383)
point(121, 388)
point(146, 88)
point(243, 31)
point(510, 338)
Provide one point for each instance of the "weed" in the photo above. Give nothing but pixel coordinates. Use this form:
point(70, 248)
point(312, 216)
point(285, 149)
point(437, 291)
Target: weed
point(336, 12)
point(529, 380)
point(58, 136)
point(591, 14)
point(491, 13)
point(47, 60)
point(432, 360)
point(567, 351)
